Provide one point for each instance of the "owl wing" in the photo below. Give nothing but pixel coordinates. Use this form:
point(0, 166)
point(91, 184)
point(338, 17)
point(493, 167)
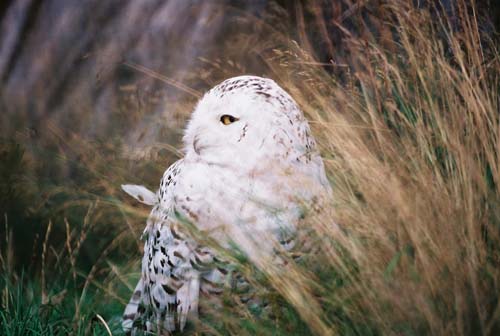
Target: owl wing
point(171, 283)
point(169, 286)
point(174, 267)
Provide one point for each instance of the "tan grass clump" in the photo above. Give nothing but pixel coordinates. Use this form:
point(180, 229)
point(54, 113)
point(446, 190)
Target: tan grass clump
point(411, 139)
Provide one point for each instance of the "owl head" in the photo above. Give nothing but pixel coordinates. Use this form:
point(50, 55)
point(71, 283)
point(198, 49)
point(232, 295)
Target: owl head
point(245, 120)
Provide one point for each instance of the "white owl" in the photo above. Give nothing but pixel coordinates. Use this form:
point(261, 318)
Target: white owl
point(250, 167)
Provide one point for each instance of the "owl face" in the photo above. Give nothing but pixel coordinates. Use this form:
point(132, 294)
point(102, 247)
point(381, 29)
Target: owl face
point(243, 120)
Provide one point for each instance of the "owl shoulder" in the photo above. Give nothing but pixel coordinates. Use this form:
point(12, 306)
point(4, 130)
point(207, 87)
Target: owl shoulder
point(184, 179)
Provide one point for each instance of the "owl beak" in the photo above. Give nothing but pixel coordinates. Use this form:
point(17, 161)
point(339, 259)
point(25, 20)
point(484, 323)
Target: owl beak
point(196, 145)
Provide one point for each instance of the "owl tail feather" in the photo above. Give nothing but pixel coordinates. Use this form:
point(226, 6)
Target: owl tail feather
point(187, 300)
point(140, 193)
point(132, 312)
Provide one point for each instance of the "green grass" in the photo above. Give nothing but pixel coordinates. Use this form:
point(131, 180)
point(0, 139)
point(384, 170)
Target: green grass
point(23, 313)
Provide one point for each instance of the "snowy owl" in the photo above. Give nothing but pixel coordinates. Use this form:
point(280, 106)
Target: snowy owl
point(250, 167)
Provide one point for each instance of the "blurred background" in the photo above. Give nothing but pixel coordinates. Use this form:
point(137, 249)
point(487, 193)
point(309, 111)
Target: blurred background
point(94, 94)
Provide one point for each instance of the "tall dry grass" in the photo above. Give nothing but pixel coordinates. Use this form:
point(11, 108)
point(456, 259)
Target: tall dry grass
point(410, 138)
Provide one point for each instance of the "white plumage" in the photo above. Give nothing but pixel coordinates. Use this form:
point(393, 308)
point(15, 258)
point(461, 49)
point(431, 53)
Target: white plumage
point(250, 168)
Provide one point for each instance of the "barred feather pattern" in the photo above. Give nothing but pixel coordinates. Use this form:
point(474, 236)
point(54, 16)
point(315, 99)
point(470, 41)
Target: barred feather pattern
point(174, 270)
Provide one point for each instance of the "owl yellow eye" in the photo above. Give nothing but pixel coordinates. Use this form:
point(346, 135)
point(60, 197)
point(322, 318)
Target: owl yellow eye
point(227, 119)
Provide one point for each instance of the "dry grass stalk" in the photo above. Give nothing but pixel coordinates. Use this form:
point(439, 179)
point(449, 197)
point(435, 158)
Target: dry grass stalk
point(45, 297)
